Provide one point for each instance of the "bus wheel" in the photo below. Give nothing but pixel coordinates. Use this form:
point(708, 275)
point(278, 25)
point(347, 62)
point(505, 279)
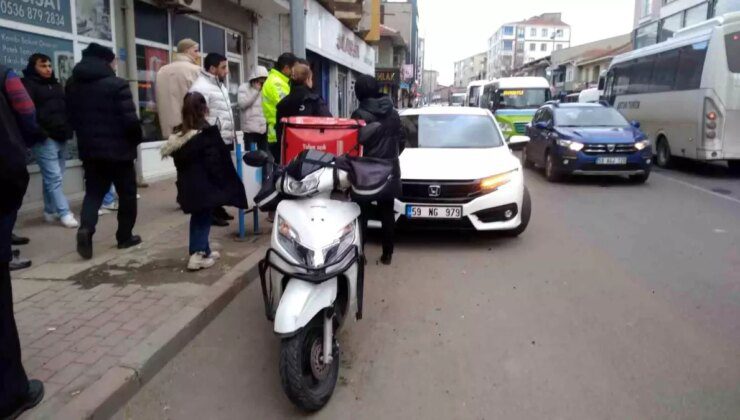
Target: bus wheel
point(664, 159)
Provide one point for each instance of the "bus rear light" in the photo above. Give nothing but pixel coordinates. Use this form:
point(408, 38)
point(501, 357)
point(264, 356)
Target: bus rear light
point(711, 116)
point(711, 125)
point(710, 134)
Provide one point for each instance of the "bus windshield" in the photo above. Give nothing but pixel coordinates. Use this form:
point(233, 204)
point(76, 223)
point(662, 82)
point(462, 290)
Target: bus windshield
point(521, 98)
point(458, 99)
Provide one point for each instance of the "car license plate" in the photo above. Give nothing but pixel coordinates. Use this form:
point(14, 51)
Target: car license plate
point(433, 212)
point(612, 160)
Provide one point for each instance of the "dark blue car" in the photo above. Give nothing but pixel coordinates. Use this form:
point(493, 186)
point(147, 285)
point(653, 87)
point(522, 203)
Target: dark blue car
point(586, 139)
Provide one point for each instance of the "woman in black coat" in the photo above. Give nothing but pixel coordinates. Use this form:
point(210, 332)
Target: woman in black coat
point(206, 178)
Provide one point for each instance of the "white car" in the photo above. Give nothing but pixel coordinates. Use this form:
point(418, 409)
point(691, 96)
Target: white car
point(458, 172)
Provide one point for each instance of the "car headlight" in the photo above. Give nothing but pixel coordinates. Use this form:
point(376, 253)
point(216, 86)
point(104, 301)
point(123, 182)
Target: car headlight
point(345, 239)
point(289, 239)
point(505, 127)
point(642, 145)
point(306, 186)
point(570, 144)
point(496, 181)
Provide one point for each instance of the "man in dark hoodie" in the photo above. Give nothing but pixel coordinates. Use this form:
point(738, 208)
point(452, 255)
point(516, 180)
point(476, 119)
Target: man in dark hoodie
point(386, 143)
point(48, 96)
point(101, 111)
point(302, 101)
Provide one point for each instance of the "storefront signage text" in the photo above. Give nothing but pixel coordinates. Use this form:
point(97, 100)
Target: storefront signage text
point(387, 76)
point(17, 46)
point(52, 14)
point(348, 45)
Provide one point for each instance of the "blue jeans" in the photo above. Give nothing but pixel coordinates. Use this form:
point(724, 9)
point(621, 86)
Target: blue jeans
point(200, 228)
point(50, 156)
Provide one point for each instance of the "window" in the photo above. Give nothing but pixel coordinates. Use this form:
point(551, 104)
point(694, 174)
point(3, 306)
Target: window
point(559, 47)
point(691, 66)
point(184, 27)
point(213, 40)
point(641, 73)
point(520, 33)
point(533, 47)
point(664, 72)
point(697, 14)
point(508, 45)
point(543, 47)
point(508, 30)
point(544, 32)
point(234, 44)
point(725, 6)
point(670, 25)
point(621, 79)
point(533, 32)
point(151, 23)
point(646, 35)
point(519, 47)
point(732, 47)
point(645, 7)
point(148, 62)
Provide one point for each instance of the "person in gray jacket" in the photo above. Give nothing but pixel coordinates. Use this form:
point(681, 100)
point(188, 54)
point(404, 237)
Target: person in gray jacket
point(254, 124)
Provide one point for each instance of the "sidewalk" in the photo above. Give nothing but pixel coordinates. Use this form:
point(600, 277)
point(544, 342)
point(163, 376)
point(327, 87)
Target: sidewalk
point(93, 330)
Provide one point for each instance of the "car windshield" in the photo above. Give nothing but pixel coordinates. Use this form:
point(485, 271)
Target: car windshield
point(451, 131)
point(521, 98)
point(589, 117)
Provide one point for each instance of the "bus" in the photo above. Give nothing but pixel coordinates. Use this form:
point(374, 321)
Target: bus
point(514, 100)
point(458, 99)
point(475, 89)
point(685, 92)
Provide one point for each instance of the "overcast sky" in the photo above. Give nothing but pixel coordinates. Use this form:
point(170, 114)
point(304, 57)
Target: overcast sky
point(455, 29)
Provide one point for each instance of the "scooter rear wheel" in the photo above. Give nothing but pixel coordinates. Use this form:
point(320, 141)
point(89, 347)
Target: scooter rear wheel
point(306, 380)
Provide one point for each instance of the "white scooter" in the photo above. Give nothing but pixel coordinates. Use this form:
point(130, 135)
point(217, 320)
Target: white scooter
point(312, 277)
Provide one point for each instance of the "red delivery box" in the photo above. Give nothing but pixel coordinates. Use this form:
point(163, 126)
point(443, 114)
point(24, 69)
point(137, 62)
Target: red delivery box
point(332, 135)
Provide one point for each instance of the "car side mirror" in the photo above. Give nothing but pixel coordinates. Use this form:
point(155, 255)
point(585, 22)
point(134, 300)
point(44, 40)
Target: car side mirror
point(541, 125)
point(257, 158)
point(635, 124)
point(518, 142)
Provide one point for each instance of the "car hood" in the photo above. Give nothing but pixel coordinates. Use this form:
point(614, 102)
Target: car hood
point(598, 134)
point(456, 164)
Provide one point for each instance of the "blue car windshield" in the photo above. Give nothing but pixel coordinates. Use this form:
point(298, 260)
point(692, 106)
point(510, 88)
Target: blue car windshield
point(589, 117)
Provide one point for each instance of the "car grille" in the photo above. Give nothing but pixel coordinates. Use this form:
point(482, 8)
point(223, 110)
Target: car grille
point(520, 127)
point(449, 191)
point(595, 149)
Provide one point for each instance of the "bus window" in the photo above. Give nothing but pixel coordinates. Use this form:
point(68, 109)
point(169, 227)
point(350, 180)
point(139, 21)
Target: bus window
point(521, 98)
point(664, 73)
point(691, 66)
point(641, 74)
point(732, 45)
point(622, 79)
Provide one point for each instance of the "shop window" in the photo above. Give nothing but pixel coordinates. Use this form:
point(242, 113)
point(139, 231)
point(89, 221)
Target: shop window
point(94, 19)
point(151, 23)
point(234, 43)
point(213, 40)
point(185, 27)
point(148, 62)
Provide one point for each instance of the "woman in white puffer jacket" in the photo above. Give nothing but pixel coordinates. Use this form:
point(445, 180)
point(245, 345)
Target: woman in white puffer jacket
point(254, 124)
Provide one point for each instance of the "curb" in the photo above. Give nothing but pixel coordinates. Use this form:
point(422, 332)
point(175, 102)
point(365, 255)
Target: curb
point(104, 397)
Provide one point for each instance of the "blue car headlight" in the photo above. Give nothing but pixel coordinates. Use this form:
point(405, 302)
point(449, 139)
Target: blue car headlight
point(571, 145)
point(642, 145)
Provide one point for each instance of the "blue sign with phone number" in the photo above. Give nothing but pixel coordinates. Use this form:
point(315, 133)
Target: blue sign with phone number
point(52, 14)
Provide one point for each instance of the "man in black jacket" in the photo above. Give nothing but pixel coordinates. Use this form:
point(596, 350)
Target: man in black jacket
point(18, 128)
point(48, 97)
point(101, 111)
point(386, 143)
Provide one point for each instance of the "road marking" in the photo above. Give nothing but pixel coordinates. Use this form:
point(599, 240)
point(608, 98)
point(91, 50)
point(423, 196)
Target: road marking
point(698, 188)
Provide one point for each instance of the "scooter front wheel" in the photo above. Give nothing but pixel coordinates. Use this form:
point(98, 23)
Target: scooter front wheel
point(306, 380)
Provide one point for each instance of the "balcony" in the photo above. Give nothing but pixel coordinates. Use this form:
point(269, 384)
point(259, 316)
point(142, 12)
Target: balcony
point(349, 12)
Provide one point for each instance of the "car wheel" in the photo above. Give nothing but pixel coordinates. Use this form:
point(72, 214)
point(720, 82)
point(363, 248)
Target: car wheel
point(641, 178)
point(551, 173)
point(526, 162)
point(526, 215)
point(664, 158)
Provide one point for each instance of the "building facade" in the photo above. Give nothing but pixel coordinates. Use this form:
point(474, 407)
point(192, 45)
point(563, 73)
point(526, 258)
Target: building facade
point(470, 69)
point(657, 20)
point(429, 85)
point(517, 43)
point(391, 57)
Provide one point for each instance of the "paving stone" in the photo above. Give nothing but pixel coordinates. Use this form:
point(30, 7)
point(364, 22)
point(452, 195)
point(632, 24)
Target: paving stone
point(70, 326)
point(107, 329)
point(119, 307)
point(114, 338)
point(128, 290)
point(92, 313)
point(68, 374)
point(35, 363)
point(101, 319)
point(43, 374)
point(126, 316)
point(91, 356)
point(135, 324)
point(62, 360)
point(47, 340)
point(103, 364)
point(110, 302)
point(56, 348)
point(137, 297)
point(80, 333)
point(86, 344)
point(144, 304)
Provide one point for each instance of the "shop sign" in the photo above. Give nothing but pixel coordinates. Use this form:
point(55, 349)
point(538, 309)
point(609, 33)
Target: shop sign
point(348, 45)
point(51, 14)
point(17, 46)
point(387, 76)
point(408, 72)
point(93, 19)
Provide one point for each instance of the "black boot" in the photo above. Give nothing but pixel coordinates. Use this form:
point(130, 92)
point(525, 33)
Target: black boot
point(32, 399)
point(221, 213)
point(386, 258)
point(128, 243)
point(18, 240)
point(18, 263)
point(84, 244)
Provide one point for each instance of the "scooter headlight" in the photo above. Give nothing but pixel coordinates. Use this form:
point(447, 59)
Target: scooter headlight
point(345, 239)
point(304, 187)
point(291, 242)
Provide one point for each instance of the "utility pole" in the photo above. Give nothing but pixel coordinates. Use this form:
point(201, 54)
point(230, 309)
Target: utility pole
point(298, 28)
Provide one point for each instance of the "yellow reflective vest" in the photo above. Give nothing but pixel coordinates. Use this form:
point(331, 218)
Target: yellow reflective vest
point(277, 87)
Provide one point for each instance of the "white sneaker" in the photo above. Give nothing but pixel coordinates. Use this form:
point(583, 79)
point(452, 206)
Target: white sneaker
point(199, 261)
point(215, 255)
point(111, 207)
point(51, 217)
point(103, 212)
point(69, 221)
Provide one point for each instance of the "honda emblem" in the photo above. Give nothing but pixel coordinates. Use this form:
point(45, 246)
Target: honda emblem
point(435, 190)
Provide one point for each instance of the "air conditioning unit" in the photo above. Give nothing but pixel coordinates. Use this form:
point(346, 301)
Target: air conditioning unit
point(183, 6)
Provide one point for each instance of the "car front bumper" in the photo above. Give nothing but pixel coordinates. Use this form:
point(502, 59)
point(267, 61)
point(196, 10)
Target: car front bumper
point(580, 163)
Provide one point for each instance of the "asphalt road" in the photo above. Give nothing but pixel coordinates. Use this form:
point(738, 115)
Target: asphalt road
point(619, 301)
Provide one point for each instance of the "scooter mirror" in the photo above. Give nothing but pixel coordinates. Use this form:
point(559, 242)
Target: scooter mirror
point(257, 158)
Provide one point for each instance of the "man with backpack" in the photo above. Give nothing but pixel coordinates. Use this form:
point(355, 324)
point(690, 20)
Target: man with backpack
point(302, 100)
point(386, 143)
point(18, 129)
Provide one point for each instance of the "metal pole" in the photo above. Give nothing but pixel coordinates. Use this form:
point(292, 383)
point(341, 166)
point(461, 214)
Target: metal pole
point(298, 28)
